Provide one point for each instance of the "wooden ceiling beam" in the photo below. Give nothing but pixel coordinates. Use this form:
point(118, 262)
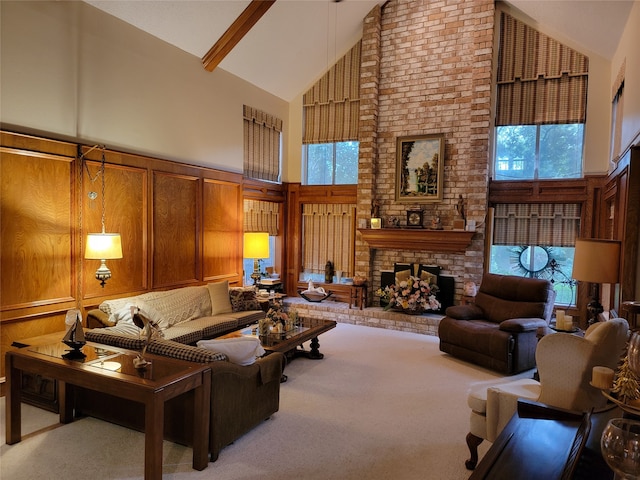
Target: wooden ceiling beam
point(238, 29)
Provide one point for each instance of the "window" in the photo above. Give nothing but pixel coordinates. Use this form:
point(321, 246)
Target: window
point(537, 261)
point(263, 263)
point(539, 151)
point(330, 163)
point(537, 241)
point(328, 233)
point(262, 137)
point(617, 107)
point(541, 105)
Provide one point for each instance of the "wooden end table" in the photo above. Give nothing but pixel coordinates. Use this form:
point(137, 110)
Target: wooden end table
point(358, 295)
point(110, 370)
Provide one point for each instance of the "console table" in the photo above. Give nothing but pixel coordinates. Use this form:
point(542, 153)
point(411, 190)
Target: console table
point(539, 443)
point(110, 370)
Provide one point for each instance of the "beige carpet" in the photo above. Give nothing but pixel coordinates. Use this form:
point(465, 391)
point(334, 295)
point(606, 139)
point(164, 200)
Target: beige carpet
point(381, 405)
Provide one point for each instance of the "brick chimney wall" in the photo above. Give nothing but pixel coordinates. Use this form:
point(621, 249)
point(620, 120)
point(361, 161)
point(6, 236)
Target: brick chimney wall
point(426, 69)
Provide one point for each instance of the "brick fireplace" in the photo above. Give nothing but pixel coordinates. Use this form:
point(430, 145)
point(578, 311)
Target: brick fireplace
point(426, 69)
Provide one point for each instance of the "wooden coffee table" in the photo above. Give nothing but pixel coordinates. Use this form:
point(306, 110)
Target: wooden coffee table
point(288, 342)
point(110, 370)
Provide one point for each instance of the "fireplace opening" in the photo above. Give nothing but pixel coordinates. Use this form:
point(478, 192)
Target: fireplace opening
point(446, 283)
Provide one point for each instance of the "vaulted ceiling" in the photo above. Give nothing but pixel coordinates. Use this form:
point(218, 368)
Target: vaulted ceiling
point(295, 41)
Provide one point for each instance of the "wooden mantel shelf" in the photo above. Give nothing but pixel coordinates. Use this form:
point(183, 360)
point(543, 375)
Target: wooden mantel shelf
point(417, 239)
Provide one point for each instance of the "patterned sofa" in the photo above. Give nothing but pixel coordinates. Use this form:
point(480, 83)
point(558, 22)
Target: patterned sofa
point(242, 396)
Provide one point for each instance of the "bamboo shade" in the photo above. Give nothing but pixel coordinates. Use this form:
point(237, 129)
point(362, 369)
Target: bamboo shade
point(328, 234)
point(540, 80)
point(261, 216)
point(544, 224)
point(332, 106)
point(261, 144)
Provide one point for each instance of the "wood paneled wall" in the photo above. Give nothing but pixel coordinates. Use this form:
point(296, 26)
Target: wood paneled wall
point(180, 225)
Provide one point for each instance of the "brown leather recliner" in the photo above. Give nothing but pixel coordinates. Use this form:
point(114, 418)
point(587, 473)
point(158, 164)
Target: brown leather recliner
point(499, 331)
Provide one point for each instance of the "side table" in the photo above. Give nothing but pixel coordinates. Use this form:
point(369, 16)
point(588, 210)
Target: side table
point(467, 300)
point(358, 295)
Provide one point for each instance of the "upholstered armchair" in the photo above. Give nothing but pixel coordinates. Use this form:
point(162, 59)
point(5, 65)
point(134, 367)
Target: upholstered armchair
point(499, 331)
point(565, 363)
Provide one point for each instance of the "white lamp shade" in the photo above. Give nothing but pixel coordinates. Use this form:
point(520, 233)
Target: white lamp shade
point(256, 245)
point(103, 246)
point(596, 261)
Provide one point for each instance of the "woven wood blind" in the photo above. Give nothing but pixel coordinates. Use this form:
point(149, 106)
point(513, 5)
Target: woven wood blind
point(332, 106)
point(617, 110)
point(540, 80)
point(261, 216)
point(328, 234)
point(543, 224)
point(261, 145)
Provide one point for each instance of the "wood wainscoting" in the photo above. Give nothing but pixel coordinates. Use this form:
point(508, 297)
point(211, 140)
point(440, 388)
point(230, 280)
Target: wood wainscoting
point(180, 225)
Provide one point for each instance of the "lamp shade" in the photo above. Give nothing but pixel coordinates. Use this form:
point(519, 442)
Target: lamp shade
point(596, 261)
point(103, 246)
point(256, 245)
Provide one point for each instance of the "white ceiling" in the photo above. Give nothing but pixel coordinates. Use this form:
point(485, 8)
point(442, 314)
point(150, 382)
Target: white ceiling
point(292, 45)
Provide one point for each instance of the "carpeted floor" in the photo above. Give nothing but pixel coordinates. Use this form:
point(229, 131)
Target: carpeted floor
point(382, 404)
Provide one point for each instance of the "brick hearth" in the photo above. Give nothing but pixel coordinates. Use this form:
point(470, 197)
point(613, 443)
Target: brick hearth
point(426, 324)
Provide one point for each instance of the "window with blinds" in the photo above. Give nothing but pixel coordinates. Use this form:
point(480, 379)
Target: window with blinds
point(262, 137)
point(331, 116)
point(617, 107)
point(537, 240)
point(541, 105)
point(328, 234)
point(261, 216)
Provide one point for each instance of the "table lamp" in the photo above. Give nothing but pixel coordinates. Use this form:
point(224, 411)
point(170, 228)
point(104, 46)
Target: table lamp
point(256, 246)
point(596, 261)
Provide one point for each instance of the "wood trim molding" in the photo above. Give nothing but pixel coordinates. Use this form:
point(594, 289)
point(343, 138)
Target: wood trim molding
point(238, 29)
point(418, 239)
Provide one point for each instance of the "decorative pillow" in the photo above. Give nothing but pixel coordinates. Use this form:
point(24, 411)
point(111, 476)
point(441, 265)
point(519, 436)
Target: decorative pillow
point(429, 277)
point(402, 276)
point(239, 350)
point(147, 310)
point(123, 315)
point(220, 302)
point(110, 307)
point(243, 299)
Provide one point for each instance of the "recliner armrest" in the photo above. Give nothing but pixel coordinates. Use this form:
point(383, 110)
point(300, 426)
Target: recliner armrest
point(465, 312)
point(517, 325)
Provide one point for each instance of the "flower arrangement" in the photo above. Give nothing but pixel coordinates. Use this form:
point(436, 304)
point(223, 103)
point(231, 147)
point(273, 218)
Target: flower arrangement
point(278, 319)
point(412, 295)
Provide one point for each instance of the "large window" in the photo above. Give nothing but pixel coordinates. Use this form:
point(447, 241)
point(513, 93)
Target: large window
point(539, 151)
point(537, 241)
point(330, 163)
point(538, 261)
point(541, 105)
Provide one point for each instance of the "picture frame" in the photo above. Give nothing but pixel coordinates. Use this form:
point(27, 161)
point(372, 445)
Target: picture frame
point(419, 168)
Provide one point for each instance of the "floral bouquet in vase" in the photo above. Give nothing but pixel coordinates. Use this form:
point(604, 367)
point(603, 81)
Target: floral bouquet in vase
point(278, 317)
point(413, 296)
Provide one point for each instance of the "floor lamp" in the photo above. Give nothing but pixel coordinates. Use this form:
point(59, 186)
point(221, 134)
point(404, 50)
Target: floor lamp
point(256, 246)
point(596, 261)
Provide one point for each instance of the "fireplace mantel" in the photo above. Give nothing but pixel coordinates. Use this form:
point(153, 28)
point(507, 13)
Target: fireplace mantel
point(417, 239)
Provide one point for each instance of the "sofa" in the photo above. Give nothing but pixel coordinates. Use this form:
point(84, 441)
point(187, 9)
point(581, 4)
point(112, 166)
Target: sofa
point(499, 330)
point(243, 394)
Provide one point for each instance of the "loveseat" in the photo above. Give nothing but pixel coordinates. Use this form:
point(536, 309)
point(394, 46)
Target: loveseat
point(242, 396)
point(499, 331)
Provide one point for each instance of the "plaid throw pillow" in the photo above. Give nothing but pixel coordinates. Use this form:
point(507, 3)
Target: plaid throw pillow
point(243, 299)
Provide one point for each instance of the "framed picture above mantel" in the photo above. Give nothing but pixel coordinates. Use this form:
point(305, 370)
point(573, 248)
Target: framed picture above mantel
point(419, 172)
